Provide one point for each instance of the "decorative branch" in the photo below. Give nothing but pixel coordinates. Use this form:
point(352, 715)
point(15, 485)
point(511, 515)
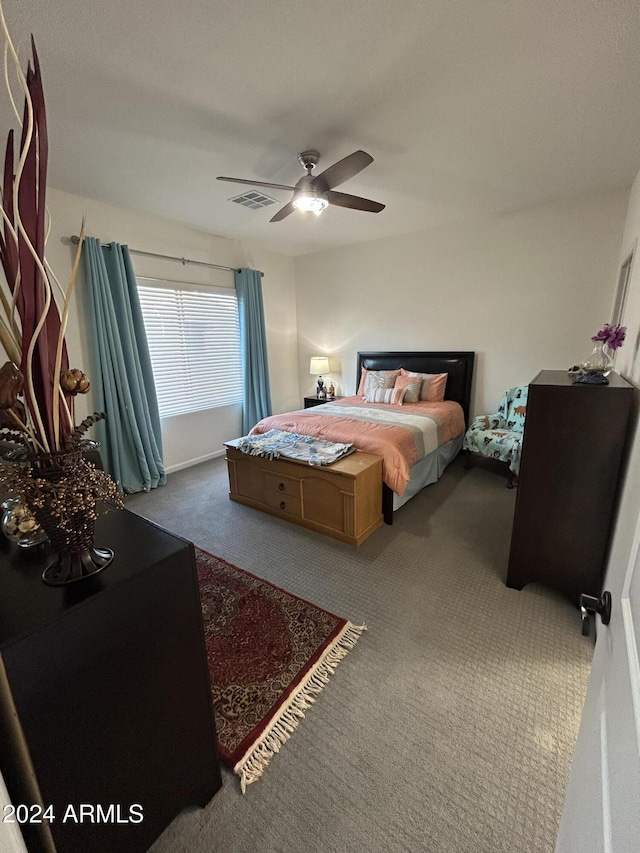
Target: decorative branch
point(79, 431)
point(26, 429)
point(55, 403)
point(49, 472)
point(37, 342)
point(15, 435)
point(6, 72)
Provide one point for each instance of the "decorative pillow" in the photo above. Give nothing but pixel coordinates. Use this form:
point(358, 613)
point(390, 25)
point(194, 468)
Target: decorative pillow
point(377, 379)
point(363, 379)
point(411, 385)
point(392, 396)
point(433, 385)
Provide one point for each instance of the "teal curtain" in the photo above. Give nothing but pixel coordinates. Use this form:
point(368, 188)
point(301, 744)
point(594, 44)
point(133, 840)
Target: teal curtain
point(256, 402)
point(130, 437)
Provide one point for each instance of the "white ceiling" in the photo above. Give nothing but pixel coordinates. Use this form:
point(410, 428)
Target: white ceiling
point(469, 107)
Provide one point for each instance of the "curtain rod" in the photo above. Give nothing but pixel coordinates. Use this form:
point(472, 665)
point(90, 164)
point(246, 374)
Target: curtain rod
point(178, 281)
point(75, 240)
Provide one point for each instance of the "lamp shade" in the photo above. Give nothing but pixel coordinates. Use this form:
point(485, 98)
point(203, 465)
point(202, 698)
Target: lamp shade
point(319, 365)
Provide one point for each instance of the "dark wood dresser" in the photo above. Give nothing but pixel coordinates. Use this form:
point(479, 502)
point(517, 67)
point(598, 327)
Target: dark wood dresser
point(572, 450)
point(105, 698)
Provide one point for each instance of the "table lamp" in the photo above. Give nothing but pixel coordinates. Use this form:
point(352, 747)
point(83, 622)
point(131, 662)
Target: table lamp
point(319, 365)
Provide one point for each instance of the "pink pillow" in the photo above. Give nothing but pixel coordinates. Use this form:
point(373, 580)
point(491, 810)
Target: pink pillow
point(411, 385)
point(363, 379)
point(433, 385)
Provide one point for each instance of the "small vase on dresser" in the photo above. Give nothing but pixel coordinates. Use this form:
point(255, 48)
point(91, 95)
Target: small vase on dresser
point(19, 525)
point(600, 359)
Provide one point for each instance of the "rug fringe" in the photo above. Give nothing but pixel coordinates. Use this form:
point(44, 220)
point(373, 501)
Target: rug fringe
point(253, 764)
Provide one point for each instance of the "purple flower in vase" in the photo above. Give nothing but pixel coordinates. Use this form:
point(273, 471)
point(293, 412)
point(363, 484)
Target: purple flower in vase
point(603, 334)
point(618, 334)
point(612, 336)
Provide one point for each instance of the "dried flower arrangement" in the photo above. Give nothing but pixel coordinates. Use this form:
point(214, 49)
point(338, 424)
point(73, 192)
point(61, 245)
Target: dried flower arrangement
point(40, 433)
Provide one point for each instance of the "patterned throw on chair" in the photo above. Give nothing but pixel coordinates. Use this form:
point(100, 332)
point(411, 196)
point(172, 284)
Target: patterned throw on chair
point(499, 436)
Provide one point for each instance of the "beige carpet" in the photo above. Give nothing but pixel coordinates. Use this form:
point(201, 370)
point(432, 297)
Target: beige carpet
point(450, 726)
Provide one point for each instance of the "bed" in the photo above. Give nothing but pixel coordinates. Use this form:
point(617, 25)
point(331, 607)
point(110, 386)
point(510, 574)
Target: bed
point(416, 440)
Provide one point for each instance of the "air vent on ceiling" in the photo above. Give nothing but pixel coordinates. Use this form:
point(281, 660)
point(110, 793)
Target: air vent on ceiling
point(253, 199)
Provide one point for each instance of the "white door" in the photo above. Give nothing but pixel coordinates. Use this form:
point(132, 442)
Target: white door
point(10, 835)
point(602, 807)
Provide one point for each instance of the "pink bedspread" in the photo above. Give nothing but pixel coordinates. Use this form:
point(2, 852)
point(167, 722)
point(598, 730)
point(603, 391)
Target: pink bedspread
point(400, 434)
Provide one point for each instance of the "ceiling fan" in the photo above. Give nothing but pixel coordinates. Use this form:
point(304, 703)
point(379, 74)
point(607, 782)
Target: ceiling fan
point(314, 193)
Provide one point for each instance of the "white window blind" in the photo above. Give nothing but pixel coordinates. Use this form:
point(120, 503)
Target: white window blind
point(194, 344)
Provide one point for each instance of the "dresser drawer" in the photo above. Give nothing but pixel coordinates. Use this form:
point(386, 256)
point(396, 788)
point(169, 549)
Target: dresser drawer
point(281, 484)
point(285, 503)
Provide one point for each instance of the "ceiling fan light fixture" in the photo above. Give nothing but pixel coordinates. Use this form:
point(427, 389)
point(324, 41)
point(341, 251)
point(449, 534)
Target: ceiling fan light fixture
point(312, 194)
point(310, 202)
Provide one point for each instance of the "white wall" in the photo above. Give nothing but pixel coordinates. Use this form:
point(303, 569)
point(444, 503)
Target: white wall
point(525, 291)
point(197, 436)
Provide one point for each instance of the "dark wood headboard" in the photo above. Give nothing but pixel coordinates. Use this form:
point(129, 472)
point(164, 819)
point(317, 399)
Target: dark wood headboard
point(459, 366)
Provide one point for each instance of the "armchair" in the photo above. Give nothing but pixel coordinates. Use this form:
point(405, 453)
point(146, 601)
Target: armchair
point(499, 436)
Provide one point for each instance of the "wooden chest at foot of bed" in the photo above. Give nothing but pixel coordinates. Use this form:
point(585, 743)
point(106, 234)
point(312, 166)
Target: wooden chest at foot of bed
point(343, 500)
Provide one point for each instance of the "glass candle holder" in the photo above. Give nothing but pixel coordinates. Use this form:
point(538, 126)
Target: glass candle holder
point(19, 525)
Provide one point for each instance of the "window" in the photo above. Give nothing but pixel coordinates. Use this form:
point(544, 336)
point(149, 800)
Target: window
point(194, 343)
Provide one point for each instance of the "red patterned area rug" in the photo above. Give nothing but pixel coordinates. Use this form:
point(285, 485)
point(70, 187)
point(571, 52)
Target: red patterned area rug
point(270, 653)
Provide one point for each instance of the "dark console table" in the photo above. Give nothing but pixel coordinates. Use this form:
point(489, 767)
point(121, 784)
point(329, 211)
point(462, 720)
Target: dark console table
point(105, 698)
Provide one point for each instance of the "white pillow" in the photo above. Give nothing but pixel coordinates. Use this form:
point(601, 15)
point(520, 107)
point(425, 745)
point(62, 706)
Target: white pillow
point(392, 396)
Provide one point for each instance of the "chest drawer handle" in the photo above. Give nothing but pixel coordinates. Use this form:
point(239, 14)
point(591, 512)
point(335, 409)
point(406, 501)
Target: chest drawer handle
point(281, 487)
point(283, 505)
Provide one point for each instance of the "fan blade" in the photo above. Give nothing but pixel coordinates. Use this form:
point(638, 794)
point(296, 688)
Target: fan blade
point(343, 170)
point(256, 183)
point(354, 202)
point(283, 212)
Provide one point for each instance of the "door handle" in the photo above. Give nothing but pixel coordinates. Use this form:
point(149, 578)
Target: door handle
point(590, 605)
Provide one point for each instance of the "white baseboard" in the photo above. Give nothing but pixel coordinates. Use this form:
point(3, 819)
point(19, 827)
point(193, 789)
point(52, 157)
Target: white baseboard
point(180, 465)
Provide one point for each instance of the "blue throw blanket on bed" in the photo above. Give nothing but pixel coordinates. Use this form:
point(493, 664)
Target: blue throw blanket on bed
point(304, 448)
